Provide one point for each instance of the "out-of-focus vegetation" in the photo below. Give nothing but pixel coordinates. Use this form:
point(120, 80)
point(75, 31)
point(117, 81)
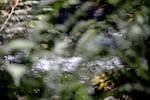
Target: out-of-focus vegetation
point(75, 50)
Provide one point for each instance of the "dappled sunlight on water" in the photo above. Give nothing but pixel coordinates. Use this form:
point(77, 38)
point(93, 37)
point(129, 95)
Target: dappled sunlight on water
point(59, 63)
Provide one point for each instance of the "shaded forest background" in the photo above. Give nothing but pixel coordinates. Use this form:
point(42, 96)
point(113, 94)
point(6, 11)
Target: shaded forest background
point(75, 50)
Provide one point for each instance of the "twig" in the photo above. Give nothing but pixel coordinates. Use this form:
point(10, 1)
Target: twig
point(14, 3)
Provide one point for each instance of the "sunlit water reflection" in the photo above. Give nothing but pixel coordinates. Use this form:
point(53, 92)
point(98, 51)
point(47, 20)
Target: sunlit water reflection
point(69, 64)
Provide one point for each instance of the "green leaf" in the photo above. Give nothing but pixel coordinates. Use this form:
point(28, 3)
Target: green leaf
point(17, 71)
point(21, 44)
point(113, 1)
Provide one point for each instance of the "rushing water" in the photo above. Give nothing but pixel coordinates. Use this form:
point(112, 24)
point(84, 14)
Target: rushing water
point(68, 64)
point(72, 63)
